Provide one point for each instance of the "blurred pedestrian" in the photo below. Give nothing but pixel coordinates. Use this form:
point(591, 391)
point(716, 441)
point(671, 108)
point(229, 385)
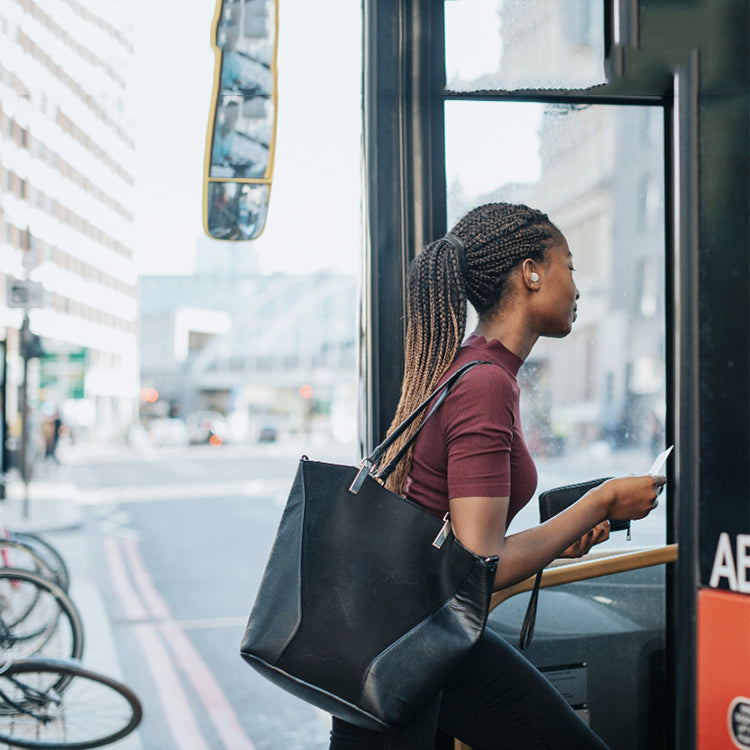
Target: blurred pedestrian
point(52, 428)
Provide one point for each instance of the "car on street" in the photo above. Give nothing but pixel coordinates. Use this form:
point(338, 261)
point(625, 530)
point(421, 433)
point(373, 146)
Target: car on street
point(167, 431)
point(207, 426)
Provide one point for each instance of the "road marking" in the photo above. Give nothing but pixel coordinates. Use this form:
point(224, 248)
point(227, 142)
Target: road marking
point(213, 622)
point(174, 701)
point(206, 687)
point(219, 709)
point(185, 491)
point(132, 606)
point(177, 709)
point(154, 603)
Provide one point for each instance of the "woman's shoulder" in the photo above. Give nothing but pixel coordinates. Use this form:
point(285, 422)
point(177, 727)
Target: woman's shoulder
point(485, 395)
point(488, 369)
point(484, 384)
point(489, 375)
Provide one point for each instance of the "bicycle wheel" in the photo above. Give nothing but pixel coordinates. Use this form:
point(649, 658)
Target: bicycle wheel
point(37, 617)
point(16, 553)
point(49, 554)
point(93, 710)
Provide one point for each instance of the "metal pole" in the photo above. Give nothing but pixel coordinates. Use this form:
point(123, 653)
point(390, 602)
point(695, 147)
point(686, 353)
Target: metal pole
point(22, 452)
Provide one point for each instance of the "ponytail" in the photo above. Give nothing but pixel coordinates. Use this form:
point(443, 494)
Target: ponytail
point(436, 309)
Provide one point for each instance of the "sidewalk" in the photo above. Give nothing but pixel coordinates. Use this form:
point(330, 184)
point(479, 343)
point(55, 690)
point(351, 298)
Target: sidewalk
point(48, 504)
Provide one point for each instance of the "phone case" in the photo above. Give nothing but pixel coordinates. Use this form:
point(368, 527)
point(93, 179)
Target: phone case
point(551, 502)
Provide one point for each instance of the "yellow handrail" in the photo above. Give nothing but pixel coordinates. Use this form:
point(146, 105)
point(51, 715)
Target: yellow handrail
point(580, 570)
point(596, 566)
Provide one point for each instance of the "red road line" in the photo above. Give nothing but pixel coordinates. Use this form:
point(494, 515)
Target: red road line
point(150, 596)
point(177, 709)
point(217, 706)
point(132, 606)
point(219, 709)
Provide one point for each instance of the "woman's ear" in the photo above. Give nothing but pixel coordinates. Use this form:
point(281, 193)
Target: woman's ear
point(530, 275)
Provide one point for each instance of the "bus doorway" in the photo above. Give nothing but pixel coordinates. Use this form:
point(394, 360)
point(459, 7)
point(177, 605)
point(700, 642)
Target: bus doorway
point(660, 223)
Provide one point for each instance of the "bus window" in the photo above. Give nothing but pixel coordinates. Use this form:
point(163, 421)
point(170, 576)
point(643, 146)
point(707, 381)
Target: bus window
point(242, 124)
point(593, 404)
point(488, 44)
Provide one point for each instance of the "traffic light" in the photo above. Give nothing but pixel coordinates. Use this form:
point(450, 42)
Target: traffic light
point(31, 345)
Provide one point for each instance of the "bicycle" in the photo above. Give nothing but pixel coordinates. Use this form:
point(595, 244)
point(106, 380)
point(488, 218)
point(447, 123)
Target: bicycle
point(28, 553)
point(39, 554)
point(35, 615)
point(47, 698)
point(57, 703)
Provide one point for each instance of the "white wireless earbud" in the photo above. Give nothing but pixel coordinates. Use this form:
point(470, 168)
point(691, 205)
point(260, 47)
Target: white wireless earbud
point(534, 276)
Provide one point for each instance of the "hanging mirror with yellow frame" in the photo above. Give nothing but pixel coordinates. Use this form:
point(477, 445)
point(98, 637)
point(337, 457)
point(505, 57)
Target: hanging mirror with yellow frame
point(241, 137)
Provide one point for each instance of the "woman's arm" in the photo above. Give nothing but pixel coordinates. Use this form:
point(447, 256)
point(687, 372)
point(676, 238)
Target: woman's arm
point(479, 524)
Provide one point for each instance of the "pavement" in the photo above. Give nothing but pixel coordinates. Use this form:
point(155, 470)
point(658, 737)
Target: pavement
point(46, 504)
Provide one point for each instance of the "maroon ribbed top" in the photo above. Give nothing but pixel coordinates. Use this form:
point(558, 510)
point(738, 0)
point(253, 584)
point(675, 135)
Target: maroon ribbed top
point(473, 446)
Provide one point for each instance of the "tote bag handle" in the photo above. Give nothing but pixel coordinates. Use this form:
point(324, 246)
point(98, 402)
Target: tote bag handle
point(370, 462)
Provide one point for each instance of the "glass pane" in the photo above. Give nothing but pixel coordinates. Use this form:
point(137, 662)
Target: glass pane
point(593, 404)
point(518, 44)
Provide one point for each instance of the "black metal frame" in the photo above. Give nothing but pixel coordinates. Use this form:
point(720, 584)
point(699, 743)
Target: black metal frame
point(690, 58)
point(404, 183)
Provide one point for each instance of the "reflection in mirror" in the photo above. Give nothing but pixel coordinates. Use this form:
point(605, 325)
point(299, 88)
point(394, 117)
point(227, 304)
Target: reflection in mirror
point(242, 127)
point(241, 144)
point(236, 210)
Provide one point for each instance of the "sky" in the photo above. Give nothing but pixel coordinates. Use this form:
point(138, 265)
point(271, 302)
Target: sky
point(314, 213)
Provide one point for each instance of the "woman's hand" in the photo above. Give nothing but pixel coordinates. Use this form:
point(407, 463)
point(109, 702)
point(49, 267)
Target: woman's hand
point(479, 523)
point(600, 533)
point(633, 497)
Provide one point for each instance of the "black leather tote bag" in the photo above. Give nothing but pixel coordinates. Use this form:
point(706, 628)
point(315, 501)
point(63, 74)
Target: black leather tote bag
point(367, 602)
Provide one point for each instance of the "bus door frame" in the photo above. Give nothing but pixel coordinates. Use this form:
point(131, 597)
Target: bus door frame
point(662, 54)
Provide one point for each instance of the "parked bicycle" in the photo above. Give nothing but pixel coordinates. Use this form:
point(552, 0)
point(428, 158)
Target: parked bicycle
point(57, 703)
point(37, 617)
point(32, 552)
point(48, 699)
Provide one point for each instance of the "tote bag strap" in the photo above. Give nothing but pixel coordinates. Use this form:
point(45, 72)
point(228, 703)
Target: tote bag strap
point(370, 462)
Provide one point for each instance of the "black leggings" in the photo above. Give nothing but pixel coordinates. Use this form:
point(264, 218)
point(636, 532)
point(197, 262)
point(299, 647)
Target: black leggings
point(496, 700)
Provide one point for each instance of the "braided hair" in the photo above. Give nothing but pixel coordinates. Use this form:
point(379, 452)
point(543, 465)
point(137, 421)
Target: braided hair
point(493, 240)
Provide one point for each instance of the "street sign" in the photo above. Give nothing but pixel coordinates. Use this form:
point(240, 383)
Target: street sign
point(62, 374)
point(24, 294)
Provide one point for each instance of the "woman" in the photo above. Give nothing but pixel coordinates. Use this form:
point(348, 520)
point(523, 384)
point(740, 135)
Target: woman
point(470, 459)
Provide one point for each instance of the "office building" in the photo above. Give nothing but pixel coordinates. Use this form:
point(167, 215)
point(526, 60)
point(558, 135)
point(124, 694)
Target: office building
point(66, 209)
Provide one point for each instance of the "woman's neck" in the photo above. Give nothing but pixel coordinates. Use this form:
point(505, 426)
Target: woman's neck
point(510, 332)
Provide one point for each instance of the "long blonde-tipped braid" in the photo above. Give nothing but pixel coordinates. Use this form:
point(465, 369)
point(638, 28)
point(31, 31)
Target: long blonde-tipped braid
point(496, 237)
point(436, 309)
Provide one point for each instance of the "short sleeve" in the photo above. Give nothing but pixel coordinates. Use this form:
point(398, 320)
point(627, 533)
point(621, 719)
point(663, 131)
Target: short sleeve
point(477, 421)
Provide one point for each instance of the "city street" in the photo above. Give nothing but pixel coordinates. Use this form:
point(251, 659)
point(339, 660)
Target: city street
point(173, 544)
point(165, 564)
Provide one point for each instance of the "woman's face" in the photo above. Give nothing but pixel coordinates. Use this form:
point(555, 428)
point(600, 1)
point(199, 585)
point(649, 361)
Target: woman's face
point(555, 303)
